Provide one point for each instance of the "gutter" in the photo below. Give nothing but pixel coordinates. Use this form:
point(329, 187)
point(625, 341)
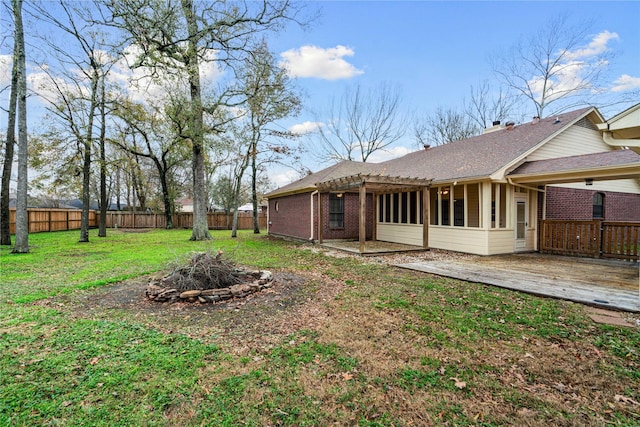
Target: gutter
point(610, 140)
point(311, 222)
point(510, 180)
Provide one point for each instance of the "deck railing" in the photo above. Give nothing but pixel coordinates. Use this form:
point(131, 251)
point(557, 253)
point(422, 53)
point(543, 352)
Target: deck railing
point(594, 239)
point(620, 240)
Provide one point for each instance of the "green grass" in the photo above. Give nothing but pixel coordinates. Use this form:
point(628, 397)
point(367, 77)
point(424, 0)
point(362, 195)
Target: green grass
point(392, 350)
point(57, 263)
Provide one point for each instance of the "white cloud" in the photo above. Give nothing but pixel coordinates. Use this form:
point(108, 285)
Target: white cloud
point(284, 178)
point(625, 83)
point(569, 75)
point(141, 83)
point(305, 128)
point(314, 61)
point(388, 154)
point(596, 47)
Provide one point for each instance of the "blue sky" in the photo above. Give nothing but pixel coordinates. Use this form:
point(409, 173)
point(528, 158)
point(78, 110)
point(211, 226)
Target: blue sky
point(432, 51)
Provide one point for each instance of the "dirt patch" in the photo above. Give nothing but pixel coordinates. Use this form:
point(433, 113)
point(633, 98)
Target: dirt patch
point(259, 320)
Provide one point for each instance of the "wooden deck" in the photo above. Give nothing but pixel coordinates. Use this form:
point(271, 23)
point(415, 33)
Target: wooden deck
point(607, 284)
point(371, 248)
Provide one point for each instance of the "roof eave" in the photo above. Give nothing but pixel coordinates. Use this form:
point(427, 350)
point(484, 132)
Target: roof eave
point(601, 173)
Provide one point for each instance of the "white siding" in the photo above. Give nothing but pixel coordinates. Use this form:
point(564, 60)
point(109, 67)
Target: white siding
point(408, 234)
point(501, 241)
point(620, 185)
point(572, 142)
point(469, 240)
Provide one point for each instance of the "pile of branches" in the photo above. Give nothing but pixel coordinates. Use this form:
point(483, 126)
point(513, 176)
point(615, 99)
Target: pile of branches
point(205, 271)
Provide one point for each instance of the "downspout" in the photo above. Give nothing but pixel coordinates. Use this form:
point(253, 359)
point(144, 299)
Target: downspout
point(312, 194)
point(268, 211)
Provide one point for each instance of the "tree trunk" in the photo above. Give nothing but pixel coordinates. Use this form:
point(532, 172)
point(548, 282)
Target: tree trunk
point(22, 219)
point(86, 164)
point(5, 216)
point(102, 227)
point(200, 225)
point(254, 190)
point(166, 198)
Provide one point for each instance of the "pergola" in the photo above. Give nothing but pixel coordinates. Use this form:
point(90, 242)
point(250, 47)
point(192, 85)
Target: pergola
point(375, 184)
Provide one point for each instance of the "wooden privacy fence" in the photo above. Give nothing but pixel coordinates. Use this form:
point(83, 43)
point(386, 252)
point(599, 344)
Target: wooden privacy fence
point(51, 219)
point(215, 220)
point(594, 239)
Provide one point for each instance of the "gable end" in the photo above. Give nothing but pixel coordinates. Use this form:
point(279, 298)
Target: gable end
point(586, 123)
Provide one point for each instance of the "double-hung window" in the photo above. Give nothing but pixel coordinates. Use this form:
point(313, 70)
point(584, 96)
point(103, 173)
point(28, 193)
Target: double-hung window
point(336, 210)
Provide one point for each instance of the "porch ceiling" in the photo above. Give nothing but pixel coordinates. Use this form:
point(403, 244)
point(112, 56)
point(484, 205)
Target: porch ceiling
point(373, 183)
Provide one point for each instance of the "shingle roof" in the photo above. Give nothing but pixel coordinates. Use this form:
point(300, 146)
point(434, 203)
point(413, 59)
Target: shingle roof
point(339, 170)
point(482, 155)
point(585, 161)
point(475, 157)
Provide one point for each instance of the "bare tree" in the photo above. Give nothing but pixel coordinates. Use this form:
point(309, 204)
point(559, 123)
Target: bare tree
point(360, 124)
point(78, 92)
point(486, 106)
point(270, 97)
point(159, 127)
point(22, 222)
point(557, 66)
point(5, 229)
point(177, 38)
point(443, 126)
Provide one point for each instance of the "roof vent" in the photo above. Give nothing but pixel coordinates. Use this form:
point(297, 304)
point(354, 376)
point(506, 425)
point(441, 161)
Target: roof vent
point(536, 120)
point(557, 120)
point(496, 126)
point(510, 125)
point(427, 146)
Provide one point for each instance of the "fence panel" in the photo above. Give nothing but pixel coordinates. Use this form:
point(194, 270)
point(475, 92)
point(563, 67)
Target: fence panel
point(52, 219)
point(621, 240)
point(215, 220)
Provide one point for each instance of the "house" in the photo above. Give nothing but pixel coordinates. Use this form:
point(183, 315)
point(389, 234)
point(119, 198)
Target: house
point(184, 205)
point(483, 195)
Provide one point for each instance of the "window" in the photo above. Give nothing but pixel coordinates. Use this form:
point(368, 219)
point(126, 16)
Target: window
point(336, 210)
point(598, 205)
point(444, 205)
point(403, 207)
point(473, 205)
point(433, 204)
point(400, 208)
point(413, 207)
point(458, 206)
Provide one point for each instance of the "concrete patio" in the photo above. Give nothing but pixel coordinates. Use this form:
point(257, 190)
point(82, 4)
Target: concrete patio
point(610, 284)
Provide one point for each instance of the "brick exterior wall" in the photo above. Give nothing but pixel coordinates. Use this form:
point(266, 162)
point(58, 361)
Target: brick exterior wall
point(575, 204)
point(292, 218)
point(351, 228)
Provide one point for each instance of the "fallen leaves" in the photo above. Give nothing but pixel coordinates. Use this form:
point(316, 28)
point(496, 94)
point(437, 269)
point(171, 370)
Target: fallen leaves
point(458, 383)
point(624, 399)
